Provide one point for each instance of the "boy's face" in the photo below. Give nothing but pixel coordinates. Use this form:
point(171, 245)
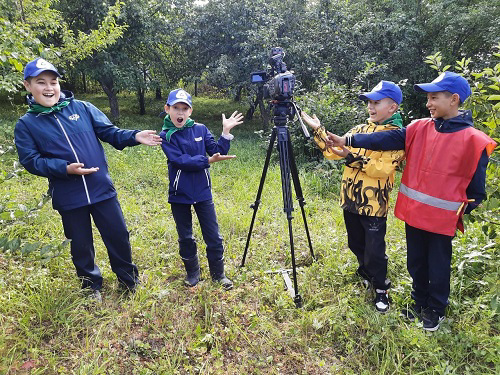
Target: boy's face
point(45, 88)
point(381, 110)
point(179, 113)
point(442, 104)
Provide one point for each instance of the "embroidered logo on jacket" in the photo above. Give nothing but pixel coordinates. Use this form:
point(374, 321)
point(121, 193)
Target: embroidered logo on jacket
point(198, 139)
point(74, 117)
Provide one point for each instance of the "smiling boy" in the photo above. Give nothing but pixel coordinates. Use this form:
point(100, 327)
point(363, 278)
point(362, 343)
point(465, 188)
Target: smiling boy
point(186, 145)
point(366, 184)
point(444, 177)
point(58, 138)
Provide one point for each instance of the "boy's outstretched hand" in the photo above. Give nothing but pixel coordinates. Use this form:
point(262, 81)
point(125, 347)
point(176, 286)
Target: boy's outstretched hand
point(218, 157)
point(313, 121)
point(77, 168)
point(148, 137)
point(229, 123)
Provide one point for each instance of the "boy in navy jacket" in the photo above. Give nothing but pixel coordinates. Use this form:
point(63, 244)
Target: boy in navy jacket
point(58, 138)
point(186, 145)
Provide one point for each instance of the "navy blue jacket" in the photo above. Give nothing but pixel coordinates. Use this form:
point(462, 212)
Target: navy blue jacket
point(395, 140)
point(188, 167)
point(47, 143)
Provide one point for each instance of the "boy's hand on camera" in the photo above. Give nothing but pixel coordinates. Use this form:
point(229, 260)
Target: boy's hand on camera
point(334, 140)
point(218, 157)
point(148, 137)
point(229, 123)
point(77, 168)
point(313, 121)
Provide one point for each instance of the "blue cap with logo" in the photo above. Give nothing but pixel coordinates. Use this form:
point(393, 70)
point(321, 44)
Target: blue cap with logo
point(447, 81)
point(384, 89)
point(179, 96)
point(37, 66)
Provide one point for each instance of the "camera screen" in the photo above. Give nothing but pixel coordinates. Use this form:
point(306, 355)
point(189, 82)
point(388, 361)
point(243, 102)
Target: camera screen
point(257, 77)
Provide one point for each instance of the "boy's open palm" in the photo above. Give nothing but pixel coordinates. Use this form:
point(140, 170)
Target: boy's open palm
point(218, 157)
point(148, 137)
point(313, 121)
point(229, 123)
point(77, 168)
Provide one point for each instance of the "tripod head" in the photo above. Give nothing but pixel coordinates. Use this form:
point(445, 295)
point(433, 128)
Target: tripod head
point(284, 111)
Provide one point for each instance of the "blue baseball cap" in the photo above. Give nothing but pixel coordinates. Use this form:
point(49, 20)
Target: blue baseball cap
point(447, 81)
point(37, 66)
point(384, 89)
point(179, 96)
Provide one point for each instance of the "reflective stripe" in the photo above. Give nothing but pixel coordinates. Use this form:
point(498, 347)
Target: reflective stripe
point(429, 200)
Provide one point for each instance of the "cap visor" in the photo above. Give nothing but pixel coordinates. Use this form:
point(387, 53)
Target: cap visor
point(40, 71)
point(372, 96)
point(427, 87)
point(180, 101)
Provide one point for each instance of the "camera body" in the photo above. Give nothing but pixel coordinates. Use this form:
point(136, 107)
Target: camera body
point(278, 82)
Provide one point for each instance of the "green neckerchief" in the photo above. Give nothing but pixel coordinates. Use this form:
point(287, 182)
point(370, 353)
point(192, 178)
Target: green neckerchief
point(395, 119)
point(168, 124)
point(37, 108)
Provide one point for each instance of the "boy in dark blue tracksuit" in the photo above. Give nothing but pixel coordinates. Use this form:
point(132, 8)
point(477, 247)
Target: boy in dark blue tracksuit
point(58, 138)
point(186, 145)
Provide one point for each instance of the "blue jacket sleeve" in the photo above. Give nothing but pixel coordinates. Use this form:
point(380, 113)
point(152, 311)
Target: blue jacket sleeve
point(183, 161)
point(31, 159)
point(477, 187)
point(383, 141)
point(107, 132)
point(221, 146)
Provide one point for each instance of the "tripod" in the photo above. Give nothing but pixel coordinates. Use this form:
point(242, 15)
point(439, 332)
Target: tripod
point(287, 167)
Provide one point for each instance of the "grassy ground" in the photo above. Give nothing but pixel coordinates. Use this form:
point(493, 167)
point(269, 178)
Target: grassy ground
point(47, 326)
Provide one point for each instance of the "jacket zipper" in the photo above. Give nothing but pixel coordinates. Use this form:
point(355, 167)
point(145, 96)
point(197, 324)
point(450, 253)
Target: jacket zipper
point(176, 181)
point(76, 157)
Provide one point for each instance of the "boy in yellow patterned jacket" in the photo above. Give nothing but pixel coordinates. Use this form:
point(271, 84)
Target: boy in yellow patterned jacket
point(366, 184)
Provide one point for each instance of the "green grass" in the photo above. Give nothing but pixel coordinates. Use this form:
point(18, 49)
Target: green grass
point(46, 323)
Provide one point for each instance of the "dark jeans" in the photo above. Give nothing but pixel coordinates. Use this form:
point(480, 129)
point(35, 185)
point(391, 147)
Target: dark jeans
point(365, 236)
point(108, 218)
point(429, 265)
point(209, 228)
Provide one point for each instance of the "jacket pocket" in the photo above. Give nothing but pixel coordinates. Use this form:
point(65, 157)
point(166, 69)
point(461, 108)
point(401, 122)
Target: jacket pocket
point(207, 174)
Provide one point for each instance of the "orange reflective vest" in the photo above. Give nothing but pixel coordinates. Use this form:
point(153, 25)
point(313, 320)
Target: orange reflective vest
point(439, 168)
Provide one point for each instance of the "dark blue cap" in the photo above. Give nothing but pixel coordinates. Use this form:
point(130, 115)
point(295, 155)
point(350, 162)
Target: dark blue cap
point(384, 89)
point(447, 81)
point(37, 66)
point(179, 96)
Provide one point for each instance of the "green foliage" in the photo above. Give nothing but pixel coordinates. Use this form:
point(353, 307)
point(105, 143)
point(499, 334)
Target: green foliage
point(34, 28)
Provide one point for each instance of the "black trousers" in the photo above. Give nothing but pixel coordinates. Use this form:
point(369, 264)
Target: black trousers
point(365, 236)
point(209, 229)
point(108, 218)
point(429, 265)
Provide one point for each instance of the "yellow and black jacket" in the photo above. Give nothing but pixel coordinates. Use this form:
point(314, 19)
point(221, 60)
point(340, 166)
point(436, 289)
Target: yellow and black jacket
point(368, 175)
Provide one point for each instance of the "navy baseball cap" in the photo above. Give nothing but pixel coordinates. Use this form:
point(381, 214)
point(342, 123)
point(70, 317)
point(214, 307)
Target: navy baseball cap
point(447, 81)
point(37, 66)
point(384, 89)
point(179, 96)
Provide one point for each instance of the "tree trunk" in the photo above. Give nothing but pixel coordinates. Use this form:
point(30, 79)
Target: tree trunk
point(264, 112)
point(140, 96)
point(84, 81)
point(158, 93)
point(237, 97)
point(108, 88)
point(195, 87)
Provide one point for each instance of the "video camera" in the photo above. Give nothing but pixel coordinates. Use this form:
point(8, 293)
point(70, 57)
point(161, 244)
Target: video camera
point(279, 83)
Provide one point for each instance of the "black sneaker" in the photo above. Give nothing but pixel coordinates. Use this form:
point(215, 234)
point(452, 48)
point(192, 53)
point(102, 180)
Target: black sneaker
point(381, 301)
point(412, 312)
point(432, 320)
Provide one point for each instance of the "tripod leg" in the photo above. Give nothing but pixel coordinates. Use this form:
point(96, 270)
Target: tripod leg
point(284, 155)
point(255, 205)
point(299, 194)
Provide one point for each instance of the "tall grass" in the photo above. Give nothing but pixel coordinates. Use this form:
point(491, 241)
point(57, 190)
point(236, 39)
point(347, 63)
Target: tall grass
point(48, 326)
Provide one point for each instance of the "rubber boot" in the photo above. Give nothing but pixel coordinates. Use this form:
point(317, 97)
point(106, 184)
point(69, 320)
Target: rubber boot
point(217, 273)
point(193, 274)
